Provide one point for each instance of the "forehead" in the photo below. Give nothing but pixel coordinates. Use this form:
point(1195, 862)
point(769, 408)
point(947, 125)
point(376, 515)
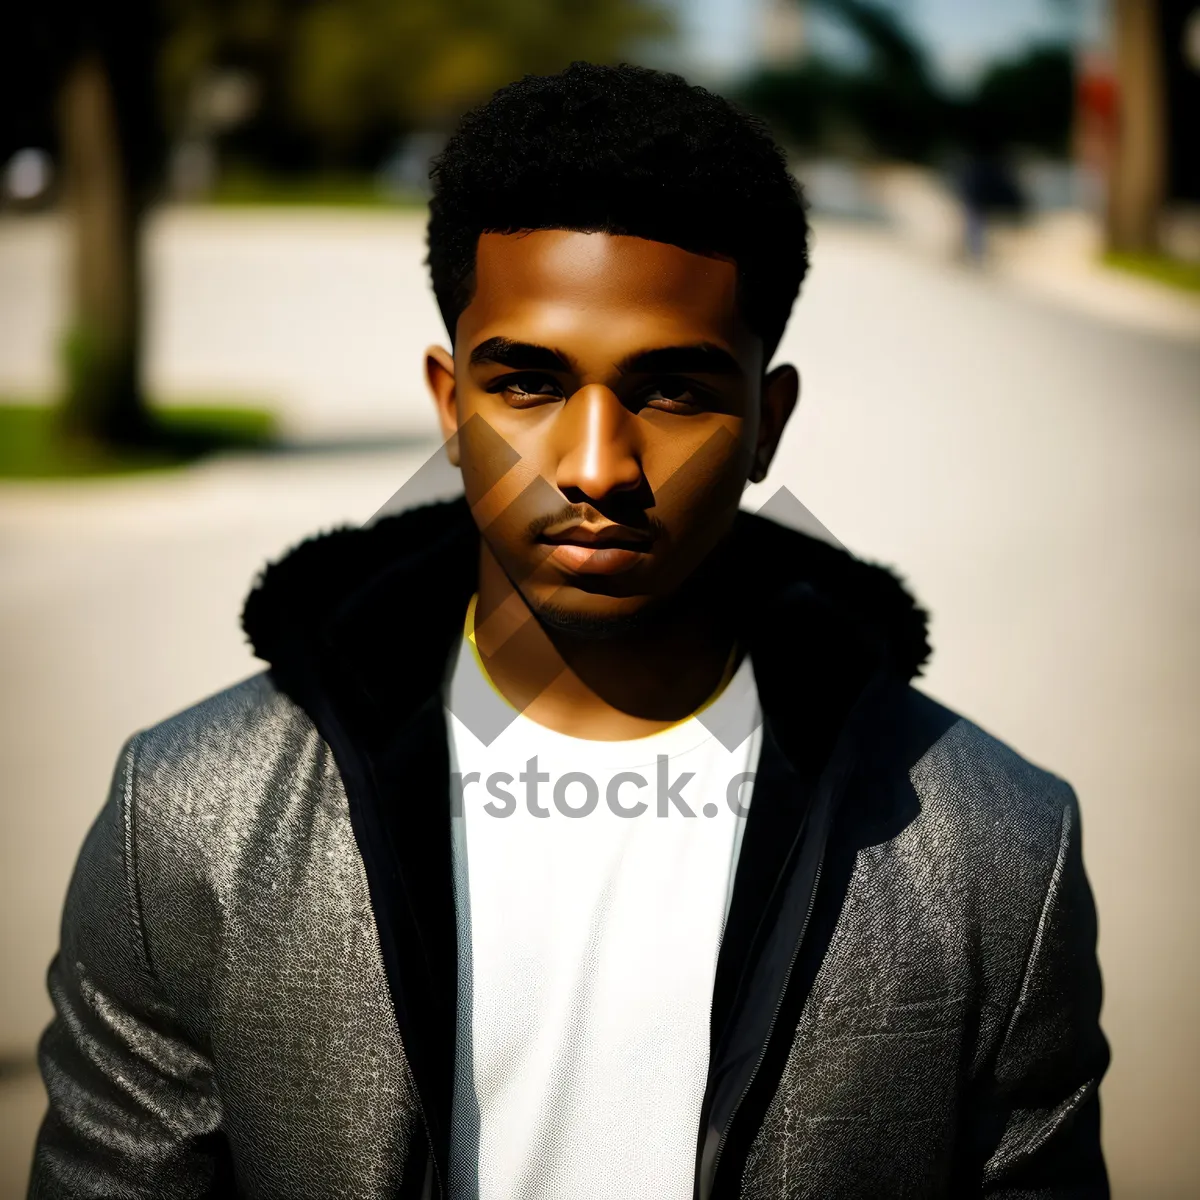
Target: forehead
point(558, 283)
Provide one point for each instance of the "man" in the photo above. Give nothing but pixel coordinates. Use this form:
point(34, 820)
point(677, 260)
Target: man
point(585, 837)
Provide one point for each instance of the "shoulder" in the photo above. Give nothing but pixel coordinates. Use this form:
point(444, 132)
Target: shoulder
point(993, 851)
point(204, 778)
point(241, 722)
point(220, 799)
point(970, 767)
point(963, 852)
point(980, 802)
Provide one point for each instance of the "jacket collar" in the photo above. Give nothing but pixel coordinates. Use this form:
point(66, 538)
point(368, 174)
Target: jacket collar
point(387, 603)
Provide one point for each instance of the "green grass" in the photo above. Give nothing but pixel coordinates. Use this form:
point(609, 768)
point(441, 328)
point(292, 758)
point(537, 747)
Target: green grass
point(31, 448)
point(241, 188)
point(1182, 275)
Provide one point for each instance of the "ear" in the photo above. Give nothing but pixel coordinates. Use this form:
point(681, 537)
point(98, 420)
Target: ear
point(780, 391)
point(439, 378)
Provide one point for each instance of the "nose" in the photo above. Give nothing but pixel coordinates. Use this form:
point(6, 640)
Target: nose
point(598, 448)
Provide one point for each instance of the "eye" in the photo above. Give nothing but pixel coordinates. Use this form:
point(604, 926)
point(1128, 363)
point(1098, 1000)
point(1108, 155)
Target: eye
point(673, 395)
point(525, 390)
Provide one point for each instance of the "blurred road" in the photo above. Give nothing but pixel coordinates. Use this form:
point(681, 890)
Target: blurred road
point(322, 313)
point(1030, 469)
point(319, 313)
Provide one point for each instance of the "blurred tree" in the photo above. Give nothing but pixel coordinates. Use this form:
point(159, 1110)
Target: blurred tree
point(110, 151)
point(29, 62)
point(1137, 185)
point(1181, 54)
point(1025, 102)
point(895, 101)
point(340, 79)
point(891, 106)
point(334, 82)
point(110, 145)
point(86, 80)
point(804, 102)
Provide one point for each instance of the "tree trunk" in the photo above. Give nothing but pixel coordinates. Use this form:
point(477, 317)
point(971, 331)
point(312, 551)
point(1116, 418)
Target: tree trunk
point(1138, 180)
point(103, 403)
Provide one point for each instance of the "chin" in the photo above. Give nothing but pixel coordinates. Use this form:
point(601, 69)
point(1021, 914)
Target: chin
point(586, 621)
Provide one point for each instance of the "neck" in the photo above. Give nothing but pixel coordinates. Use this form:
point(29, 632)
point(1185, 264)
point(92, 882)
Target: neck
point(630, 685)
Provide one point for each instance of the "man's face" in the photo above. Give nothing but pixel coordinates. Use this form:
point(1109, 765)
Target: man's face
point(609, 406)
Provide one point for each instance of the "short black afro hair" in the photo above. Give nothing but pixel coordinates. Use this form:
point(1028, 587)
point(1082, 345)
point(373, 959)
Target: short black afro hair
point(622, 150)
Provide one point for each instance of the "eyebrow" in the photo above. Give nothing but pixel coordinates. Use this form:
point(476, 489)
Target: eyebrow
point(521, 356)
point(700, 358)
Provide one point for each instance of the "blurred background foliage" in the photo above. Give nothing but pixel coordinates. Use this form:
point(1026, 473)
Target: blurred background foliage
point(332, 85)
point(244, 101)
point(337, 88)
point(890, 102)
point(111, 106)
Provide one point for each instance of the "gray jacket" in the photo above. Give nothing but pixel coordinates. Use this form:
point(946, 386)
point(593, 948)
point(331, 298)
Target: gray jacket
point(255, 988)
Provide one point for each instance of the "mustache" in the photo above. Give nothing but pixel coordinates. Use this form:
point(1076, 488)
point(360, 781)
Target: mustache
point(572, 514)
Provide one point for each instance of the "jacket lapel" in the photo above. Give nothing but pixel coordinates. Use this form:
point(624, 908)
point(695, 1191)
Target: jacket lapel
point(393, 639)
point(358, 627)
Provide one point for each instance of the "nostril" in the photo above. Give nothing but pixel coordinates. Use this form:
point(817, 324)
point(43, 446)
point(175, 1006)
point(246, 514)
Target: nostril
point(597, 474)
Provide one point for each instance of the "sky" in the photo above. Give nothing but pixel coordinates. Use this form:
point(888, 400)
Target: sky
point(722, 36)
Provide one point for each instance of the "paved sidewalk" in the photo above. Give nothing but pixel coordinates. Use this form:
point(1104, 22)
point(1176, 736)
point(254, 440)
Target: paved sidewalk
point(1058, 259)
point(1055, 257)
point(322, 314)
point(22, 1102)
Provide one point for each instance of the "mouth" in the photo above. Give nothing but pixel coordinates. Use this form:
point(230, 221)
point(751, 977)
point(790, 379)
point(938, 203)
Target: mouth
point(597, 550)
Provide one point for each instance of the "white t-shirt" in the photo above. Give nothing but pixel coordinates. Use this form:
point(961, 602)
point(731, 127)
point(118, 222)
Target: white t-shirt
point(588, 942)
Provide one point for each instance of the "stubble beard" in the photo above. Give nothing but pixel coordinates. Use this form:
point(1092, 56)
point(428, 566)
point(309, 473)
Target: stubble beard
point(592, 626)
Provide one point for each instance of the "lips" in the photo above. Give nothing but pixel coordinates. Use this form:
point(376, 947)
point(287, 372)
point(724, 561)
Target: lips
point(603, 550)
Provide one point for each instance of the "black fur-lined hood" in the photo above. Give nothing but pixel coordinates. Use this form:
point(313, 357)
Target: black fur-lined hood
point(390, 598)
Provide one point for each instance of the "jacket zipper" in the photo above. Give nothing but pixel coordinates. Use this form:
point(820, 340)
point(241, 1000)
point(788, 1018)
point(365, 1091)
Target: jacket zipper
point(812, 900)
point(438, 1190)
point(336, 733)
point(870, 697)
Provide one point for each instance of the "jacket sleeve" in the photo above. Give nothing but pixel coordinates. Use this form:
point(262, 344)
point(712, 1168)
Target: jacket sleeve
point(1043, 1117)
point(133, 1108)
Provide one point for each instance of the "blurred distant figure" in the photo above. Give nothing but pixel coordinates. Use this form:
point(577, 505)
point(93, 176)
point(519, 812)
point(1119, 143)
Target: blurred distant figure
point(987, 188)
